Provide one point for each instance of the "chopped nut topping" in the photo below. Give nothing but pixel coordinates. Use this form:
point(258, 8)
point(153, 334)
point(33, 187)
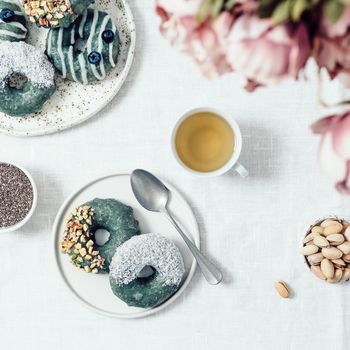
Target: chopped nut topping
point(76, 241)
point(48, 13)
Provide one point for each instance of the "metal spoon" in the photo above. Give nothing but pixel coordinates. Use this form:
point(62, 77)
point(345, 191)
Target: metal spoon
point(154, 196)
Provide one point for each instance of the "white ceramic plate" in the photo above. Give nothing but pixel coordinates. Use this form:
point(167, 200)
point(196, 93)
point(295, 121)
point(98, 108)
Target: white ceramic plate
point(74, 103)
point(94, 290)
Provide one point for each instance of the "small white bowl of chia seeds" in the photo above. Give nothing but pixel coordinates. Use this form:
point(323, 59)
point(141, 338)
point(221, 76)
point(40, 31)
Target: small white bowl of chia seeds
point(18, 196)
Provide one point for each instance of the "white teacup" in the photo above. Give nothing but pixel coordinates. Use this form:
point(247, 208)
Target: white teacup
point(231, 163)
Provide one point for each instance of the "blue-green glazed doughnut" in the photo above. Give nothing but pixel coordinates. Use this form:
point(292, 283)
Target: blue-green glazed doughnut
point(155, 252)
point(35, 84)
point(79, 236)
point(28, 100)
point(73, 63)
point(14, 28)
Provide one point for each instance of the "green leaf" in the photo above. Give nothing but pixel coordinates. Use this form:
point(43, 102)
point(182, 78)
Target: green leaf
point(230, 5)
point(282, 12)
point(266, 7)
point(217, 7)
point(299, 8)
point(333, 10)
point(204, 11)
point(344, 2)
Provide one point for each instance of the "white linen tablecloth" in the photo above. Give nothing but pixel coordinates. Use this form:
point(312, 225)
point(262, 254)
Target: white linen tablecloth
point(251, 227)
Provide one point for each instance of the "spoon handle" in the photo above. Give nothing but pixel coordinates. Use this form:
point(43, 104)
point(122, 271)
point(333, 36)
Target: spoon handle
point(211, 273)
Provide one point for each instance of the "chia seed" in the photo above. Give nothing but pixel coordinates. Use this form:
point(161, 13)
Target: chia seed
point(16, 195)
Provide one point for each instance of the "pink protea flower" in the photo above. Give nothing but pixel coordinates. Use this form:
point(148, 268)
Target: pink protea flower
point(265, 53)
point(334, 151)
point(332, 49)
point(205, 43)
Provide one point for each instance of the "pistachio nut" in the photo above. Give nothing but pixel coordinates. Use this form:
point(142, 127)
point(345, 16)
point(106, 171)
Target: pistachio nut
point(331, 229)
point(321, 241)
point(309, 250)
point(327, 268)
point(282, 289)
point(337, 276)
point(331, 253)
point(315, 259)
point(344, 247)
point(339, 263)
point(328, 222)
point(346, 275)
point(317, 229)
point(336, 239)
point(316, 270)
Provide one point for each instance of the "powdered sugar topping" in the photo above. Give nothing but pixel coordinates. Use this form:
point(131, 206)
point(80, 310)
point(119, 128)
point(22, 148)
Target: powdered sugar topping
point(19, 57)
point(148, 249)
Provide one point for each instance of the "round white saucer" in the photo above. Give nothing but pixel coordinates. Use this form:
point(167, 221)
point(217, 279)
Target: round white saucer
point(94, 290)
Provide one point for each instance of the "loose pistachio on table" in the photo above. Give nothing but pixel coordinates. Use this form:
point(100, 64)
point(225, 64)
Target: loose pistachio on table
point(326, 248)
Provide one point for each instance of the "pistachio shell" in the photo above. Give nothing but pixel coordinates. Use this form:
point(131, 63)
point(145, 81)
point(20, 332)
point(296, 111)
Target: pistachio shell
point(327, 268)
point(321, 241)
point(332, 253)
point(346, 275)
point(316, 270)
point(282, 289)
point(310, 237)
point(338, 263)
point(346, 258)
point(309, 249)
point(345, 226)
point(337, 276)
point(344, 247)
point(331, 229)
point(328, 222)
point(336, 239)
point(317, 229)
point(315, 259)
point(347, 233)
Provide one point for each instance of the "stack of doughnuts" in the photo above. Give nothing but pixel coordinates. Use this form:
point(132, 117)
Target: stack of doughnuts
point(82, 45)
point(144, 269)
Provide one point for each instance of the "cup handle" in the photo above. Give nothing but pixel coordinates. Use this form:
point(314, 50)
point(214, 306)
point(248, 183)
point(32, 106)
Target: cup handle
point(241, 170)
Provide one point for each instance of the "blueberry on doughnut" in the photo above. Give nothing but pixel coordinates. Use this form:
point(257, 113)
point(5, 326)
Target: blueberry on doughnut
point(12, 22)
point(83, 222)
point(147, 250)
point(55, 13)
point(26, 78)
point(87, 50)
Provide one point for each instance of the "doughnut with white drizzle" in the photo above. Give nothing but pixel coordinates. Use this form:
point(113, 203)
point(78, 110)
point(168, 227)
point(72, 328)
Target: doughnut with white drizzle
point(74, 62)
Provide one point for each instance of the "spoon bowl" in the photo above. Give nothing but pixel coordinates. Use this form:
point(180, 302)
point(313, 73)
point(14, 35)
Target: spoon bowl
point(149, 191)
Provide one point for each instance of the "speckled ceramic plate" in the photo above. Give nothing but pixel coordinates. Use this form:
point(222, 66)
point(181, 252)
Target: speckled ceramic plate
point(74, 103)
point(94, 290)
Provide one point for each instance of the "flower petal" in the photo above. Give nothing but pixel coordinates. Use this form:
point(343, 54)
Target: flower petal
point(332, 164)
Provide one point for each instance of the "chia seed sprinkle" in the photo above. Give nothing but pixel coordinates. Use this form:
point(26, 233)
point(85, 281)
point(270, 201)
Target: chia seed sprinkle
point(16, 195)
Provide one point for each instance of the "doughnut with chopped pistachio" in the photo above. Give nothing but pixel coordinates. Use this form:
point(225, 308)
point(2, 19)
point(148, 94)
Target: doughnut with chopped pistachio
point(12, 22)
point(91, 62)
point(55, 13)
point(26, 78)
point(82, 223)
point(127, 275)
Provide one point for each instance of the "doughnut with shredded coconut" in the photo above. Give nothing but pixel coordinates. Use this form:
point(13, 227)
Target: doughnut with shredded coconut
point(36, 75)
point(152, 250)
